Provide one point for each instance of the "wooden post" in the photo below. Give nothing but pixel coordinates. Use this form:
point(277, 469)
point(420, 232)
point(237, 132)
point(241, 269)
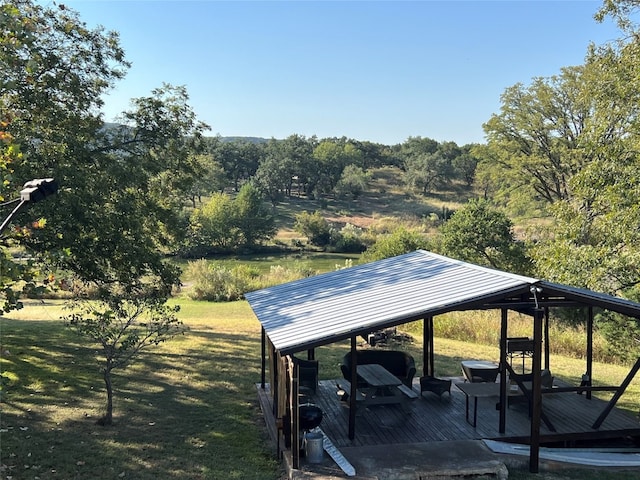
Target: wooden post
point(589, 371)
point(425, 347)
point(276, 380)
point(536, 393)
point(428, 361)
point(503, 371)
point(295, 412)
point(432, 361)
point(547, 346)
point(353, 392)
point(263, 353)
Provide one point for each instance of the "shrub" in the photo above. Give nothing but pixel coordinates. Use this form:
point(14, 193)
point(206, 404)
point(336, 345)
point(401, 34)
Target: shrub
point(348, 239)
point(315, 227)
point(217, 283)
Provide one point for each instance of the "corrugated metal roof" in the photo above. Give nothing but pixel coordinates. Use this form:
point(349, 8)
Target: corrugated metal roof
point(337, 305)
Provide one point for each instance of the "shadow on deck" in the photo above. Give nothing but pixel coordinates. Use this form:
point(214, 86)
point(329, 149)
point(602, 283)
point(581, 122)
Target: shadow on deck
point(434, 419)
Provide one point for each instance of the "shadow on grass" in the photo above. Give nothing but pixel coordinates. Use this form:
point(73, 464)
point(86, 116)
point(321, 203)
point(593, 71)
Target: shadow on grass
point(185, 411)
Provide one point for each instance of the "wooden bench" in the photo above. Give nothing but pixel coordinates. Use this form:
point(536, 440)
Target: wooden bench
point(345, 386)
point(409, 392)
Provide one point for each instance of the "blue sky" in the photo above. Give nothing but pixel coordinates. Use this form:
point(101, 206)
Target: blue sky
point(368, 70)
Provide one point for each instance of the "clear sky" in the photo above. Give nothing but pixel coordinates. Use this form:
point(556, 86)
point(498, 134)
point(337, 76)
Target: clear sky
point(368, 70)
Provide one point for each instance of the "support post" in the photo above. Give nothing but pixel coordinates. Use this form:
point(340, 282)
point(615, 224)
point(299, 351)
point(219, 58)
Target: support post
point(276, 380)
point(295, 412)
point(428, 367)
point(589, 371)
point(536, 394)
point(547, 346)
point(503, 370)
point(354, 389)
point(263, 354)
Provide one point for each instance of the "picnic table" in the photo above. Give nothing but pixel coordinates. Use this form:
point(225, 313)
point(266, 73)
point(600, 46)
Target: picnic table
point(383, 388)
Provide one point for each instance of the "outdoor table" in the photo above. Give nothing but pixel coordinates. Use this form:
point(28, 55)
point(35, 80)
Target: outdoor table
point(486, 389)
point(476, 390)
point(382, 385)
point(479, 371)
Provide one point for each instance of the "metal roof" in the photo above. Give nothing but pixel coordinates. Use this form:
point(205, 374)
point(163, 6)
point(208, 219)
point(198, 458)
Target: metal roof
point(334, 306)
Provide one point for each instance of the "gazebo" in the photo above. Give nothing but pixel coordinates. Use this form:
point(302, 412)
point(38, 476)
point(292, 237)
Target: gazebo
point(345, 304)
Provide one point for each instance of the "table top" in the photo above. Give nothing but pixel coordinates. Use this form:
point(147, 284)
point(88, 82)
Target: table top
point(377, 376)
point(480, 389)
point(479, 364)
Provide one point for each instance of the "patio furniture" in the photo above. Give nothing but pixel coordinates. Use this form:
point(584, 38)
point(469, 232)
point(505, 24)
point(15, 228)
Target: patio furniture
point(519, 347)
point(546, 379)
point(397, 362)
point(308, 374)
point(382, 387)
point(479, 371)
point(475, 390)
point(436, 385)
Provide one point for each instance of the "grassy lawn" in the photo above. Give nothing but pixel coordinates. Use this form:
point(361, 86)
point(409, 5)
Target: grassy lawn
point(186, 409)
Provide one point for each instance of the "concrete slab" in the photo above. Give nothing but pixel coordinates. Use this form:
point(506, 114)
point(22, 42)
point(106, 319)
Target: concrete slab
point(434, 460)
point(424, 461)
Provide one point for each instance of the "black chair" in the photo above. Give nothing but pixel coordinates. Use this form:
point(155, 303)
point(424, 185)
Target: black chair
point(308, 374)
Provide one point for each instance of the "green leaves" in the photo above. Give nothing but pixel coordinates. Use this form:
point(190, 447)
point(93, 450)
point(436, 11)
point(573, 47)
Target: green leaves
point(225, 223)
point(480, 234)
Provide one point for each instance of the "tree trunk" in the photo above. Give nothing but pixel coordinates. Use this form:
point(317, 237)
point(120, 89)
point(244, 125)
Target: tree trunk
point(107, 419)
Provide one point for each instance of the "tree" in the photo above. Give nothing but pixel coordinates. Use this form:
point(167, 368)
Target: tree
point(213, 226)
point(213, 179)
point(478, 234)
point(427, 164)
point(593, 242)
point(353, 181)
point(313, 226)
point(331, 156)
point(274, 175)
point(538, 135)
point(119, 209)
point(465, 164)
point(123, 328)
point(252, 219)
point(397, 242)
point(239, 159)
point(228, 224)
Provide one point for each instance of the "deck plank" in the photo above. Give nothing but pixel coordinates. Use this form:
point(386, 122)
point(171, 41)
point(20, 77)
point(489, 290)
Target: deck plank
point(433, 419)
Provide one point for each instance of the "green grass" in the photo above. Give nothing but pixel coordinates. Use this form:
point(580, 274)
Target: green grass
point(187, 409)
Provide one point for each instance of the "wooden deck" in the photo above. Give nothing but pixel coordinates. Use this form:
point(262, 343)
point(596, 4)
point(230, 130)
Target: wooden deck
point(433, 419)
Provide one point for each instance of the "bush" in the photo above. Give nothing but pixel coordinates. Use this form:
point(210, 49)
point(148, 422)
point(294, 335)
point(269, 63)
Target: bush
point(348, 240)
point(214, 282)
point(315, 227)
point(217, 283)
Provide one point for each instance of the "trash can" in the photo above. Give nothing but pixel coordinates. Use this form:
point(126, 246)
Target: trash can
point(314, 449)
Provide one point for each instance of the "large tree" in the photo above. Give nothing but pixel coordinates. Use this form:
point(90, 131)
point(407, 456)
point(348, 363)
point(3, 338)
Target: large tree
point(479, 233)
point(572, 142)
point(428, 164)
point(118, 211)
point(537, 139)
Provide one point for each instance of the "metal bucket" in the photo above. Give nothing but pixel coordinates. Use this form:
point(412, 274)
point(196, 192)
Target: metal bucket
point(313, 449)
